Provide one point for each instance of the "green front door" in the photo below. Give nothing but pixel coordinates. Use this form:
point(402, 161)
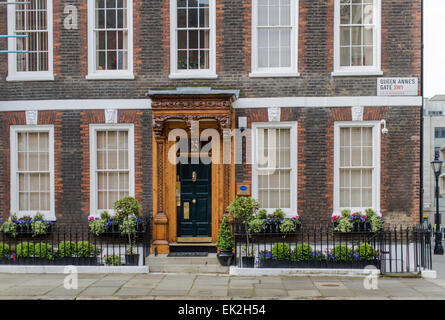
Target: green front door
point(195, 209)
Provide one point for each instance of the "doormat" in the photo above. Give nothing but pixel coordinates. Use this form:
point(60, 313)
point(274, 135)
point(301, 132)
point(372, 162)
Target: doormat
point(188, 254)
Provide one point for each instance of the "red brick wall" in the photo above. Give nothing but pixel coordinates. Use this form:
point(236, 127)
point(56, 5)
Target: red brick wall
point(72, 159)
point(400, 159)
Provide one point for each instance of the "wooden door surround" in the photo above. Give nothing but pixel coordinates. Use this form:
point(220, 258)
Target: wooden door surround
point(181, 112)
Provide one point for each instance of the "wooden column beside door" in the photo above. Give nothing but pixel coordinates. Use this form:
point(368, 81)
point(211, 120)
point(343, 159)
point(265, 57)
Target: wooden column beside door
point(160, 220)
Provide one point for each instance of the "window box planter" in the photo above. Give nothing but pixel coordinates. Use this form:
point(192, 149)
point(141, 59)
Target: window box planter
point(114, 230)
point(132, 259)
point(26, 230)
point(357, 227)
point(275, 229)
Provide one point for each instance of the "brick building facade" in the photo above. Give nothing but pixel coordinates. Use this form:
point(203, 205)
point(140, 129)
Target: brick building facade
point(319, 78)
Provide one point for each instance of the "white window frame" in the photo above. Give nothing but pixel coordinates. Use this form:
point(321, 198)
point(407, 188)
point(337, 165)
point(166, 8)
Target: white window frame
point(176, 73)
point(293, 126)
point(93, 73)
point(376, 143)
point(13, 74)
point(375, 69)
point(275, 72)
point(14, 130)
point(93, 162)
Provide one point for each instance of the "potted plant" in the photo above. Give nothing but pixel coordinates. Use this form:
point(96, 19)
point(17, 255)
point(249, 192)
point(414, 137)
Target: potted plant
point(25, 252)
point(243, 209)
point(43, 253)
point(66, 253)
point(248, 256)
point(86, 253)
point(4, 253)
point(225, 243)
point(302, 255)
point(127, 210)
point(131, 255)
point(112, 260)
point(278, 257)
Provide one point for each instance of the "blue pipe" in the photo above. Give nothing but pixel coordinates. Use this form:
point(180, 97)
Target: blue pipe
point(8, 36)
point(6, 51)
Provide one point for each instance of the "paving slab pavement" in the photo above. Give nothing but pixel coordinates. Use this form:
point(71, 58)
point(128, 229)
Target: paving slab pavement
point(203, 287)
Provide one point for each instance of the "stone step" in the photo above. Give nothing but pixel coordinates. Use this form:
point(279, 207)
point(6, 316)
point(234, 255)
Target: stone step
point(164, 264)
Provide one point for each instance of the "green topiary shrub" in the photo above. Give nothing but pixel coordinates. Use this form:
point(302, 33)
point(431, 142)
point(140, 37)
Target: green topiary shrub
point(225, 236)
point(281, 251)
point(341, 252)
point(25, 249)
point(366, 252)
point(126, 207)
point(4, 249)
point(243, 207)
point(302, 252)
point(85, 249)
point(43, 250)
point(66, 249)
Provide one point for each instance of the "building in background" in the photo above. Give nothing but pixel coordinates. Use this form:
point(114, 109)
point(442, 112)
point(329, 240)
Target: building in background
point(433, 143)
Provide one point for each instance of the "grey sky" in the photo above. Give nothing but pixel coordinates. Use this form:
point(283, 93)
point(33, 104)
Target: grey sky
point(434, 54)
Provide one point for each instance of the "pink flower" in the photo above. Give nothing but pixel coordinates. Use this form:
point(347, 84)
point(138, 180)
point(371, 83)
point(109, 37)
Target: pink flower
point(90, 218)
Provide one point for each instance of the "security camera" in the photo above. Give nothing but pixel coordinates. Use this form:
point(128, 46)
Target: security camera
point(384, 130)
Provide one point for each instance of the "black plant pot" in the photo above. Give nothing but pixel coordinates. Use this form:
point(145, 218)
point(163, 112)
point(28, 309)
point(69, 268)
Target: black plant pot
point(225, 257)
point(247, 262)
point(132, 259)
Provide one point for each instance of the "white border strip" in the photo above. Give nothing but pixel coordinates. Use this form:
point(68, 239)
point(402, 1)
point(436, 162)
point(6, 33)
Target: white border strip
point(237, 271)
point(79, 269)
point(242, 103)
point(368, 101)
point(24, 105)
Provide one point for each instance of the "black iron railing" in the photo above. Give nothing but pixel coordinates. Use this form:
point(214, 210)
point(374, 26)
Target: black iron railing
point(390, 249)
point(76, 245)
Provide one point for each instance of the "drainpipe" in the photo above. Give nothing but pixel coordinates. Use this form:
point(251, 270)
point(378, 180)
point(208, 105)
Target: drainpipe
point(421, 118)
